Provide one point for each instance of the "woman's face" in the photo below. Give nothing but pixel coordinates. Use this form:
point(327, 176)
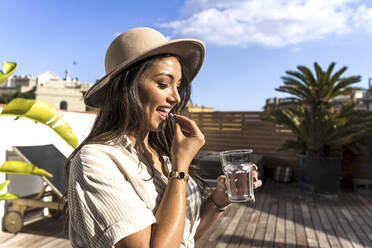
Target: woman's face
point(158, 91)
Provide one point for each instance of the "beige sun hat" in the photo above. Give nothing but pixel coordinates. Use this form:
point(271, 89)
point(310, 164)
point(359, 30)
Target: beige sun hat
point(140, 43)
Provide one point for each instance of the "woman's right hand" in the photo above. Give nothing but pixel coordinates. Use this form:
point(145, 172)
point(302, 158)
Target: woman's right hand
point(187, 141)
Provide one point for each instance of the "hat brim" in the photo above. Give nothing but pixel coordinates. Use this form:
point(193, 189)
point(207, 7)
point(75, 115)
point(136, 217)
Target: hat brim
point(191, 52)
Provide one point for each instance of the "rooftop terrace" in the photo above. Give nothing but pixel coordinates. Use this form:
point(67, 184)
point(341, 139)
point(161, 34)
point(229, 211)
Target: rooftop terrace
point(282, 216)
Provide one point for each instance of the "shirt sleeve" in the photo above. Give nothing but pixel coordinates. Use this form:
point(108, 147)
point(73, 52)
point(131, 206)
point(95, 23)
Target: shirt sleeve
point(104, 207)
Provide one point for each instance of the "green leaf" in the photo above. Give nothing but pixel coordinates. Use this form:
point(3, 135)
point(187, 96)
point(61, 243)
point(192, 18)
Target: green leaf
point(3, 185)
point(299, 76)
point(9, 69)
point(64, 130)
point(20, 167)
point(308, 74)
point(343, 85)
point(40, 111)
point(8, 196)
point(336, 77)
point(330, 69)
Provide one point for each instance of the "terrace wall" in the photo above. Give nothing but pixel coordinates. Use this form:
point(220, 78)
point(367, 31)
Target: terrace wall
point(238, 130)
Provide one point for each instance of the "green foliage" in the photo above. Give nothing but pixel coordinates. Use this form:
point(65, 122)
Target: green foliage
point(23, 105)
point(20, 167)
point(41, 112)
point(322, 127)
point(5, 98)
point(6, 196)
point(9, 69)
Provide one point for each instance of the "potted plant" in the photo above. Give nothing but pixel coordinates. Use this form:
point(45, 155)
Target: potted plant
point(323, 125)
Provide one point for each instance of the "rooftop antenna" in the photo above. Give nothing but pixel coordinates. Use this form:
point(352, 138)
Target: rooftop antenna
point(67, 78)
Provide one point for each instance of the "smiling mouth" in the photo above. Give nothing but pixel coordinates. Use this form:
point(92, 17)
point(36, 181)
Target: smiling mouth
point(163, 112)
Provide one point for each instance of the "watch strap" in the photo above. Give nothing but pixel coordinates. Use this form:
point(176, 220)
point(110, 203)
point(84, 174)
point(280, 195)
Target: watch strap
point(179, 175)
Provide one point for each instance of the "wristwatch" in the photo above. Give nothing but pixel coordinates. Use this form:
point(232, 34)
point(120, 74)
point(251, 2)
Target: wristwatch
point(179, 175)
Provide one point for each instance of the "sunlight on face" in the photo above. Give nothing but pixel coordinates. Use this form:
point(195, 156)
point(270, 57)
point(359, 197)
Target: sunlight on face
point(158, 90)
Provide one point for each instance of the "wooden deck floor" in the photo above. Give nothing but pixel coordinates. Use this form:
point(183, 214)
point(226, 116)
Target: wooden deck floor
point(281, 217)
point(45, 233)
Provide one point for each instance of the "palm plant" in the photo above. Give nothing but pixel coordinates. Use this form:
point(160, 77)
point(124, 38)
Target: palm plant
point(18, 167)
point(39, 112)
point(321, 127)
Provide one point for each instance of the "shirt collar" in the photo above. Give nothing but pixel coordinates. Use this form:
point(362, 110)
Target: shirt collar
point(126, 142)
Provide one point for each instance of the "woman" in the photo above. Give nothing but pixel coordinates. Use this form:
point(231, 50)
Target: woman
point(128, 182)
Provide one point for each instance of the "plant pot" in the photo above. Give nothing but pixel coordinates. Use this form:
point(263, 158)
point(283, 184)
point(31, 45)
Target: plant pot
point(319, 174)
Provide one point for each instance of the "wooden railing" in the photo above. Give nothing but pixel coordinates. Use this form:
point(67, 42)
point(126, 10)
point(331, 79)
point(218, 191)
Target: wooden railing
point(238, 130)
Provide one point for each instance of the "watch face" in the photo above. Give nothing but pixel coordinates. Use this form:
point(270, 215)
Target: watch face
point(182, 175)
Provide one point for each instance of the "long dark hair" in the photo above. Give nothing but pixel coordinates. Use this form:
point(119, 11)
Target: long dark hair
point(121, 113)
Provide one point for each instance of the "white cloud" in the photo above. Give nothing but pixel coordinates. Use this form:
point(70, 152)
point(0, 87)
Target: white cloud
point(272, 23)
point(363, 18)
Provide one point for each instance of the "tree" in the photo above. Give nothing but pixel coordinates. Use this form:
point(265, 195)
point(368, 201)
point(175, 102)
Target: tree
point(320, 127)
point(5, 98)
point(322, 130)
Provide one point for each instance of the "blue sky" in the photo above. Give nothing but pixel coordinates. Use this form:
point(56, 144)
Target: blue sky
point(250, 43)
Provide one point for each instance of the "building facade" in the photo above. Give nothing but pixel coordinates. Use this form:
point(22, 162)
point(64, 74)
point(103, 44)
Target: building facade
point(63, 94)
point(66, 94)
point(18, 83)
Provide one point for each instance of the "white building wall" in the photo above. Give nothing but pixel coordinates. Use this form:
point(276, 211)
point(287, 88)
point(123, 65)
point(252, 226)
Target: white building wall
point(54, 96)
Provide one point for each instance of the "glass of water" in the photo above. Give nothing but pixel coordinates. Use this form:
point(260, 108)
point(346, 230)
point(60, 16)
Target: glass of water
point(237, 166)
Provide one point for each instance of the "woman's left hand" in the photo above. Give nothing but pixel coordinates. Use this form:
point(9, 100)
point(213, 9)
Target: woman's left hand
point(256, 182)
point(220, 193)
